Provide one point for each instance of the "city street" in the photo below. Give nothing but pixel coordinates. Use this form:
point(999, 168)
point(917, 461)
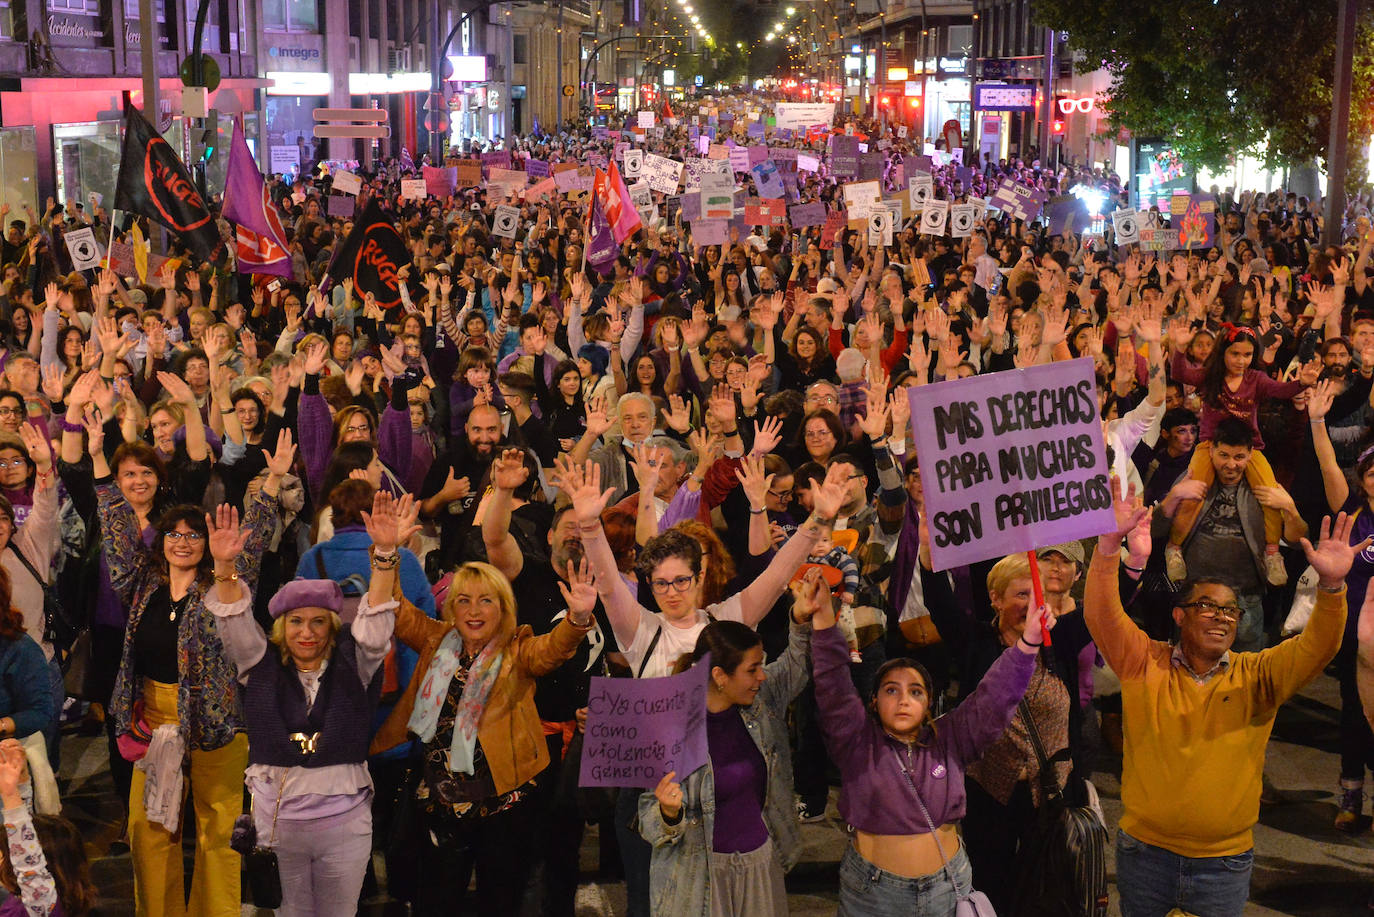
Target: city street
point(1303, 867)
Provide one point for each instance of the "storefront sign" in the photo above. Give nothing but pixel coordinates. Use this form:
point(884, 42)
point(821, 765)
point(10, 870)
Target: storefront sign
point(1004, 97)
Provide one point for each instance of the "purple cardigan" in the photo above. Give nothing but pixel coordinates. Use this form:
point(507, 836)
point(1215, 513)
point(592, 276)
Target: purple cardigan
point(874, 796)
point(315, 429)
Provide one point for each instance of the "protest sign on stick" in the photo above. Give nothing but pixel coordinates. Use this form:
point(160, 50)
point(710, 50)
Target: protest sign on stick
point(1011, 461)
point(639, 729)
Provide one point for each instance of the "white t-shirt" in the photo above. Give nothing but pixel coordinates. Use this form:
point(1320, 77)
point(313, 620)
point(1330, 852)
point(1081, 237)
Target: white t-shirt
point(675, 642)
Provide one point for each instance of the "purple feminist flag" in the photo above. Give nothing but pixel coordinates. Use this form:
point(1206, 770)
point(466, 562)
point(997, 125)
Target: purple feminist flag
point(259, 236)
point(601, 248)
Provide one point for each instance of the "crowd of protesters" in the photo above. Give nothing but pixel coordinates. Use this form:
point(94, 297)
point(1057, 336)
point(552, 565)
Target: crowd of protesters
point(340, 573)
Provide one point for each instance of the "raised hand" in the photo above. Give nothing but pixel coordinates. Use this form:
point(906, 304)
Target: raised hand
point(279, 462)
point(753, 481)
point(1334, 554)
point(707, 447)
point(767, 435)
point(314, 358)
point(645, 467)
point(52, 382)
point(37, 446)
point(508, 471)
point(582, 484)
point(177, 389)
point(1128, 508)
point(678, 415)
point(812, 601)
point(1319, 399)
point(226, 538)
point(598, 420)
point(580, 592)
point(828, 496)
point(392, 522)
point(874, 420)
point(94, 422)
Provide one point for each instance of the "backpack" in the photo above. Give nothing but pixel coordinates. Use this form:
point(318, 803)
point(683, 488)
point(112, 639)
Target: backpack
point(354, 587)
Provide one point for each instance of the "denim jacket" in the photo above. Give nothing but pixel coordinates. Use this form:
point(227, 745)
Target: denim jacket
point(680, 870)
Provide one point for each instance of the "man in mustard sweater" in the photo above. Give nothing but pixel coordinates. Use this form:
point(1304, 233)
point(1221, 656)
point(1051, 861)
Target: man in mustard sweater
point(1197, 719)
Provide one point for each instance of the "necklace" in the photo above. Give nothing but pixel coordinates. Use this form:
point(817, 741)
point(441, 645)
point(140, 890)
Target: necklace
point(177, 607)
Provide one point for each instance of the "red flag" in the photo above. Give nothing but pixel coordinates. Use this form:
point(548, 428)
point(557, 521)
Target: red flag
point(615, 200)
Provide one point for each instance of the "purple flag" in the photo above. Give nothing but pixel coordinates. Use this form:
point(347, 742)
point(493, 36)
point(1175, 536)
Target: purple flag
point(260, 239)
point(601, 248)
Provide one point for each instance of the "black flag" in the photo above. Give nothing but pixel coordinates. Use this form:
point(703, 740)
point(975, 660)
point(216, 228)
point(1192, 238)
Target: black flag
point(371, 256)
point(154, 183)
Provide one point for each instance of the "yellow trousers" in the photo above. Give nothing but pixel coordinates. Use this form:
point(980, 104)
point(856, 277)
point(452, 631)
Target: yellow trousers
point(1258, 473)
point(216, 785)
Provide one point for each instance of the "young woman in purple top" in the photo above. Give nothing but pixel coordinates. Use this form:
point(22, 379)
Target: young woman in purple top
point(902, 771)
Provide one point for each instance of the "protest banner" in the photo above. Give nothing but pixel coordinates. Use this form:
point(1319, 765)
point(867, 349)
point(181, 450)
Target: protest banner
point(710, 232)
point(1011, 461)
point(717, 196)
point(767, 179)
point(844, 155)
point(639, 729)
point(921, 189)
point(799, 116)
point(1126, 226)
point(803, 216)
point(413, 189)
point(662, 173)
point(536, 168)
point(808, 163)
point(342, 205)
point(497, 160)
point(1018, 201)
point(468, 173)
point(440, 182)
point(934, 216)
point(347, 182)
point(1193, 218)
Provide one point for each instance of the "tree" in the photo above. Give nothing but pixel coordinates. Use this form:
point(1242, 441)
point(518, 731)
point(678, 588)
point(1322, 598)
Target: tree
point(1221, 77)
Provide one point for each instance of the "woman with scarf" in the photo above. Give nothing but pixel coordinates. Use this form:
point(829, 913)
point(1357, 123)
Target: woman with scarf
point(471, 705)
point(175, 700)
point(309, 692)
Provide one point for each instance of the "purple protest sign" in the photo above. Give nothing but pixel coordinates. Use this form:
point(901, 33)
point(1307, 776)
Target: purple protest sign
point(1011, 461)
point(341, 205)
point(639, 729)
point(1018, 201)
point(805, 215)
point(536, 168)
point(767, 179)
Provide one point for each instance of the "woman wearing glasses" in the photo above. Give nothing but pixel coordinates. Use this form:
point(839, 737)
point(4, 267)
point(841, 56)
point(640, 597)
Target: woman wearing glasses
point(175, 697)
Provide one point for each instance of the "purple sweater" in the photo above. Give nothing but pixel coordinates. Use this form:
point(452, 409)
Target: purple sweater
point(874, 796)
point(315, 430)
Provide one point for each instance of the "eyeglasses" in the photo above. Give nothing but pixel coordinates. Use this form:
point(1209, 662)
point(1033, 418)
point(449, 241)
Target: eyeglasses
point(356, 428)
point(11, 412)
point(192, 537)
point(13, 463)
point(821, 399)
point(819, 434)
point(679, 584)
point(1213, 612)
point(783, 495)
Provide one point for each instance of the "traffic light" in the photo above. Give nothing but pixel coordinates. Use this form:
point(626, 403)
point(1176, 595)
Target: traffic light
point(1058, 127)
point(210, 139)
point(914, 102)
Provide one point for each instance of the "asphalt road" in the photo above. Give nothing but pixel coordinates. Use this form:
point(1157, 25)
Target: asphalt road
point(1303, 867)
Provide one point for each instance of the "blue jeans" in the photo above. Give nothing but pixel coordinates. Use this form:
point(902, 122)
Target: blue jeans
point(867, 891)
point(1153, 881)
point(1250, 630)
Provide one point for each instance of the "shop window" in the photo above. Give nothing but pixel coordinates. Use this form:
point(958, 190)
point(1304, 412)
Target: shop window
point(291, 15)
point(212, 18)
point(959, 40)
point(520, 48)
point(6, 25)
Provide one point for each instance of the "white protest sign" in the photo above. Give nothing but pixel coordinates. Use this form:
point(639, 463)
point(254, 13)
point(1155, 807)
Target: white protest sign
point(933, 218)
point(506, 222)
point(920, 190)
point(633, 163)
point(661, 173)
point(808, 163)
point(646, 119)
point(641, 194)
point(861, 192)
point(880, 227)
point(284, 159)
point(1126, 224)
point(347, 183)
point(961, 220)
point(81, 245)
point(798, 116)
point(413, 189)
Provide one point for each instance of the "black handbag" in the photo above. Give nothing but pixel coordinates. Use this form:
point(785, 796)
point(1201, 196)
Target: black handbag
point(1065, 872)
point(58, 629)
point(259, 863)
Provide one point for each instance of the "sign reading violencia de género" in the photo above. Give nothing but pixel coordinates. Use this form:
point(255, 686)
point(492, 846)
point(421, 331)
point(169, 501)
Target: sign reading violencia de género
point(1011, 461)
point(639, 729)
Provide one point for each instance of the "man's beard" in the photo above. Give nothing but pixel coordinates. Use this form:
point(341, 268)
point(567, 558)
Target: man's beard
point(570, 551)
point(1336, 371)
